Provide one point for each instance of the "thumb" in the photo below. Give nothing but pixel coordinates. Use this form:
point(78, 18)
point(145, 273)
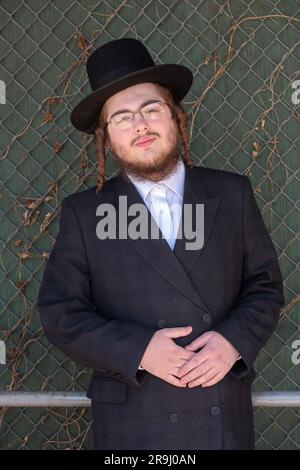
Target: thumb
point(178, 332)
point(198, 342)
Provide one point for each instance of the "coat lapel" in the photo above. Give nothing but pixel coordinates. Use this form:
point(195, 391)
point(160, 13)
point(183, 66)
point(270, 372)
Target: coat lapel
point(195, 193)
point(173, 266)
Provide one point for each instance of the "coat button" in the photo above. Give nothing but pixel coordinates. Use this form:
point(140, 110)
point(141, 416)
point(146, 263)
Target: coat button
point(215, 410)
point(206, 317)
point(173, 417)
point(162, 323)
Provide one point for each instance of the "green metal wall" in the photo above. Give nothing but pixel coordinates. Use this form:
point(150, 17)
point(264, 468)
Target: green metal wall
point(245, 56)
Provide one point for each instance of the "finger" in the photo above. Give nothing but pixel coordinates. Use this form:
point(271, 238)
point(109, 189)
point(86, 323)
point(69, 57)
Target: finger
point(178, 331)
point(197, 360)
point(213, 381)
point(174, 371)
point(174, 381)
point(178, 364)
point(204, 377)
point(175, 374)
point(176, 367)
point(183, 353)
point(198, 342)
point(198, 382)
point(197, 373)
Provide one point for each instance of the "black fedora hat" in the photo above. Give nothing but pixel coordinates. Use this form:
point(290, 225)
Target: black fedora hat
point(120, 64)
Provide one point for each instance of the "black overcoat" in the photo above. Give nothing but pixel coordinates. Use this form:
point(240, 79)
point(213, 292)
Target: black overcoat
point(102, 300)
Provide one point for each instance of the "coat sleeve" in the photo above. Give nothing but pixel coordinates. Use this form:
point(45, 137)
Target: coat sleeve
point(70, 319)
point(252, 321)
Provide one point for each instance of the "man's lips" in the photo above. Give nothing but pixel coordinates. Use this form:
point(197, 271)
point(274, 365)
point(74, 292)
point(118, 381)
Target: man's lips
point(145, 142)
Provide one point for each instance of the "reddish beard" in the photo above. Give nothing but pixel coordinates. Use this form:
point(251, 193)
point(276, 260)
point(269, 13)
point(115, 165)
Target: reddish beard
point(154, 171)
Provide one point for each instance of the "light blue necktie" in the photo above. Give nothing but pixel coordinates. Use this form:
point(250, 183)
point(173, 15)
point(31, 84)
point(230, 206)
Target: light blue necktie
point(161, 213)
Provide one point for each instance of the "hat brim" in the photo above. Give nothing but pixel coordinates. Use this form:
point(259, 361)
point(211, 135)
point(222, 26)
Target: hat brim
point(175, 77)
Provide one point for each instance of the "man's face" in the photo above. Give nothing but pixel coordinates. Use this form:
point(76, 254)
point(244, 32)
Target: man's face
point(152, 161)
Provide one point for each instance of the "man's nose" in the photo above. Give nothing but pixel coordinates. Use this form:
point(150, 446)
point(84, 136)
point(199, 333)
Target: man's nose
point(139, 123)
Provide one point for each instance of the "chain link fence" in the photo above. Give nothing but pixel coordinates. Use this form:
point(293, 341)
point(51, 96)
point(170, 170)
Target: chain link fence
point(245, 58)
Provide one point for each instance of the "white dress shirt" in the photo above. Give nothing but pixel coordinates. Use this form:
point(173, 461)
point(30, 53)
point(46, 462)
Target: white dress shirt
point(174, 186)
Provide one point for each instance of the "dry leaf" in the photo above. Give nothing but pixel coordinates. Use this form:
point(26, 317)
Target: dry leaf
point(18, 242)
point(48, 117)
point(26, 218)
point(32, 205)
point(24, 255)
point(81, 42)
point(35, 217)
point(57, 146)
point(21, 284)
point(45, 221)
point(54, 101)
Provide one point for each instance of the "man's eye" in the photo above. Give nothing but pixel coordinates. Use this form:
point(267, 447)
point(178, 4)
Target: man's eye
point(123, 118)
point(151, 110)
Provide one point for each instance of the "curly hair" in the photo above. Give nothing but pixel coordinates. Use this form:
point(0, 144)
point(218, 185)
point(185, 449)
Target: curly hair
point(101, 136)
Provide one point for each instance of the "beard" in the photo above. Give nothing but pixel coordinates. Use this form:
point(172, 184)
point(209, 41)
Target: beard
point(156, 169)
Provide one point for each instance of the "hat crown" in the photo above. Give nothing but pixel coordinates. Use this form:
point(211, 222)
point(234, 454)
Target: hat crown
point(116, 59)
point(120, 64)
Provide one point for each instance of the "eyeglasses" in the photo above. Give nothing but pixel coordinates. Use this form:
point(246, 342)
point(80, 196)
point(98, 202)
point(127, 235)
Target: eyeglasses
point(149, 112)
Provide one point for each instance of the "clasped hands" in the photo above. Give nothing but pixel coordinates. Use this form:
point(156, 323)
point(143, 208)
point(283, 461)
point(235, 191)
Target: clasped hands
point(203, 362)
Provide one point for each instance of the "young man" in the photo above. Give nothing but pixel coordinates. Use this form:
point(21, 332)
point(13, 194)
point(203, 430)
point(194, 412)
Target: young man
point(170, 329)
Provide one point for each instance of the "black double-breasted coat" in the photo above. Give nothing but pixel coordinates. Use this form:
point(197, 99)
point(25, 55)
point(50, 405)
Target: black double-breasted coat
point(102, 300)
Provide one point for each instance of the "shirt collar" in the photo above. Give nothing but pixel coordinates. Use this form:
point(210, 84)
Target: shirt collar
point(174, 181)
